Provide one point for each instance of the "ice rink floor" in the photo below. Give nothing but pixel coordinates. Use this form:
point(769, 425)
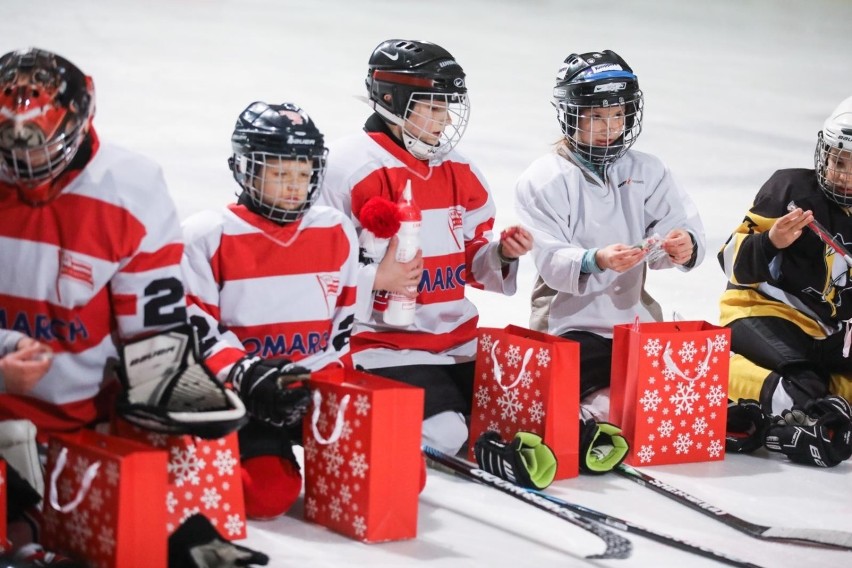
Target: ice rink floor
point(733, 91)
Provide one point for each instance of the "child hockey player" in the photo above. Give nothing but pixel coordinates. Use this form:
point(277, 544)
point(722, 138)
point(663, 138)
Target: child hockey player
point(418, 93)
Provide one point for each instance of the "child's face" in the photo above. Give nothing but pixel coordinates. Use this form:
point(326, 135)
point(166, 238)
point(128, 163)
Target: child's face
point(285, 183)
point(838, 171)
point(427, 120)
point(600, 126)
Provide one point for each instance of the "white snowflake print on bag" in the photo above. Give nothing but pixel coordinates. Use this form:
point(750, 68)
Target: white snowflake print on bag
point(349, 436)
point(518, 387)
point(204, 477)
point(679, 405)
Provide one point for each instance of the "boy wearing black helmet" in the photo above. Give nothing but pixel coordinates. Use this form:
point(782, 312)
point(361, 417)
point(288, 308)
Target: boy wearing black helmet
point(271, 290)
point(419, 94)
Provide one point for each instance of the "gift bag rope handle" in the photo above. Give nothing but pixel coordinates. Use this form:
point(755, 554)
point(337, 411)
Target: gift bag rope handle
point(338, 423)
point(498, 373)
point(672, 366)
point(85, 484)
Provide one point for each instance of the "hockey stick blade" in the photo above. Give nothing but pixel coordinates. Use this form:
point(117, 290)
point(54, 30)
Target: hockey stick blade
point(813, 537)
point(616, 546)
point(628, 527)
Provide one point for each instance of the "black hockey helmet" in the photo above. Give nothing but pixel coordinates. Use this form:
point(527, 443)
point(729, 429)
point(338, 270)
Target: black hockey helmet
point(46, 108)
point(274, 132)
point(597, 80)
point(402, 72)
point(833, 155)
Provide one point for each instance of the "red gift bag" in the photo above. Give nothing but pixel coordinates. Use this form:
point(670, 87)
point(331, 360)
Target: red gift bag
point(4, 544)
point(104, 500)
point(203, 477)
point(528, 380)
point(669, 390)
point(362, 455)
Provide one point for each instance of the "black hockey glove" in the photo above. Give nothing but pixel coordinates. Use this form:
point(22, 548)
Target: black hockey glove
point(602, 447)
point(746, 426)
point(819, 434)
point(273, 390)
point(196, 544)
point(525, 461)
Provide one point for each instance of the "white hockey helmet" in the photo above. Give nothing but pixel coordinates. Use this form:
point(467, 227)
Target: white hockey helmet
point(833, 155)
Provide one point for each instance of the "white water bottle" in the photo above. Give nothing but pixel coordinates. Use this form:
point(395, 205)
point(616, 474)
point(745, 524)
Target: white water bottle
point(400, 309)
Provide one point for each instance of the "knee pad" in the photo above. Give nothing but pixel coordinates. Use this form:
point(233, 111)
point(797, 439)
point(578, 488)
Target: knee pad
point(271, 484)
point(18, 448)
point(446, 432)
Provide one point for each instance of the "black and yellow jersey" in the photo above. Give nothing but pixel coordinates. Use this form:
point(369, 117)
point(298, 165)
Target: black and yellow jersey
point(806, 283)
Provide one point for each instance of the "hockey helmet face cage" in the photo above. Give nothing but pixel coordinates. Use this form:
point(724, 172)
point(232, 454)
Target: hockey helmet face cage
point(833, 155)
point(46, 107)
point(279, 160)
point(598, 105)
point(420, 87)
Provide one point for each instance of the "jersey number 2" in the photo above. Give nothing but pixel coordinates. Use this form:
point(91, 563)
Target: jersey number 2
point(168, 293)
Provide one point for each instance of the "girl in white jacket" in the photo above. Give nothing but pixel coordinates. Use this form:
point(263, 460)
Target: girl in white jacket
point(599, 213)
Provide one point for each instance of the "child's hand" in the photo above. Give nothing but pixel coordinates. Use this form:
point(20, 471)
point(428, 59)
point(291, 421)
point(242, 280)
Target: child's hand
point(619, 257)
point(788, 228)
point(678, 245)
point(399, 277)
point(25, 366)
point(515, 242)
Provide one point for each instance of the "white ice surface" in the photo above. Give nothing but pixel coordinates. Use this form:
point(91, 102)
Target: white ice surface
point(734, 90)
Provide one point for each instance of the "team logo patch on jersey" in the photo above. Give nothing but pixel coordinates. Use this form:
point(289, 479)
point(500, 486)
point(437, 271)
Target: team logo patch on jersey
point(630, 181)
point(330, 285)
point(75, 269)
point(456, 223)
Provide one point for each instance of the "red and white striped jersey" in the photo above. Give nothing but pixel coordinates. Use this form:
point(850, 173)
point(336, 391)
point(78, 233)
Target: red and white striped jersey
point(259, 288)
point(99, 263)
point(456, 240)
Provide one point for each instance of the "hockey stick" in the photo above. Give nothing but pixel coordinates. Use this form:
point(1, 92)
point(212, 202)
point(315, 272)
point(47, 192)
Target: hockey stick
point(627, 526)
point(823, 235)
point(616, 545)
point(815, 537)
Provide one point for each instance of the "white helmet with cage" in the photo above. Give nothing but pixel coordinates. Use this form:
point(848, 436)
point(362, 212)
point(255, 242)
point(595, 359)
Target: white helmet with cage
point(833, 155)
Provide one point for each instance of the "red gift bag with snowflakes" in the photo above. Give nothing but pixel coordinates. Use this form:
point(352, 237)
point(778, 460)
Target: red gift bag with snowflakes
point(203, 477)
point(103, 500)
point(362, 455)
point(528, 380)
point(669, 390)
point(3, 543)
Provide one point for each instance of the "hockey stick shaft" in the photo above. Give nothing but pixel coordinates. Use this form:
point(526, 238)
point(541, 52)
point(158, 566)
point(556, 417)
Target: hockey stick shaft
point(627, 526)
point(826, 238)
point(616, 546)
point(814, 537)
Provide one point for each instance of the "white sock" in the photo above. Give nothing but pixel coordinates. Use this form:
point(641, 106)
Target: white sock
point(596, 406)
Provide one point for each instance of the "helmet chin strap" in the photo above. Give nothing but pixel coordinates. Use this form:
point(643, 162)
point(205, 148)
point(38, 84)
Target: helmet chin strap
point(417, 148)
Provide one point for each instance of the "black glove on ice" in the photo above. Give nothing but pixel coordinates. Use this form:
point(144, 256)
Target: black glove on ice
point(196, 544)
point(819, 434)
point(602, 447)
point(525, 461)
point(746, 426)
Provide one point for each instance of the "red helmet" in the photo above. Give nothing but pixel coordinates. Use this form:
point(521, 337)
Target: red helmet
point(46, 108)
